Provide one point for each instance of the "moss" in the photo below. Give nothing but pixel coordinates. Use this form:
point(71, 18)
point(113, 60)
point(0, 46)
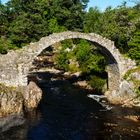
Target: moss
point(129, 72)
point(137, 85)
point(73, 68)
point(4, 88)
point(10, 89)
point(135, 81)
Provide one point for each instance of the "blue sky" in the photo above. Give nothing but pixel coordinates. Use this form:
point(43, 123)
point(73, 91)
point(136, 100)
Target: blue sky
point(102, 4)
point(3, 1)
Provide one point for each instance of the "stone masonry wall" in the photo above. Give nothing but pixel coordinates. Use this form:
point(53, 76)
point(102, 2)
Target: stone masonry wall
point(14, 67)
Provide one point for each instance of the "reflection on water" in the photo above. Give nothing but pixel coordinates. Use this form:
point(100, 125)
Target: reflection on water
point(67, 113)
point(10, 121)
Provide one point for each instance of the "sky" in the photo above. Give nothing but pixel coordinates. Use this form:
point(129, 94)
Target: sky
point(102, 4)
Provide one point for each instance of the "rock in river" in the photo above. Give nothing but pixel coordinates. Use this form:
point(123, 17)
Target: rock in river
point(32, 96)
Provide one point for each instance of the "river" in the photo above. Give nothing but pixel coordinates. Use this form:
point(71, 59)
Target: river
point(67, 113)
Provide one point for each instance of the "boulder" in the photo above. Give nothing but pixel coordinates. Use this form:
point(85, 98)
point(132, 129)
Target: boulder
point(11, 101)
point(32, 96)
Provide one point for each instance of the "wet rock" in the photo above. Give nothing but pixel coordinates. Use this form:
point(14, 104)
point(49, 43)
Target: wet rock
point(32, 96)
point(132, 118)
point(11, 121)
point(67, 74)
point(83, 84)
point(77, 74)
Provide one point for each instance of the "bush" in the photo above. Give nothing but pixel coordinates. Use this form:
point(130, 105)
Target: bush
point(5, 45)
point(62, 61)
point(83, 58)
point(97, 83)
point(73, 68)
point(82, 51)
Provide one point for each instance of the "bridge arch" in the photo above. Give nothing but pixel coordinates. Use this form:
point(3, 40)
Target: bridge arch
point(22, 61)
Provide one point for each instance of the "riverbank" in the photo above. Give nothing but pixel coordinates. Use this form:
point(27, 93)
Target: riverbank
point(66, 111)
point(15, 101)
point(11, 101)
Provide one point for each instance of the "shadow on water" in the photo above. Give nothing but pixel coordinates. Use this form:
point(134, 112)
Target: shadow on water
point(66, 113)
point(65, 110)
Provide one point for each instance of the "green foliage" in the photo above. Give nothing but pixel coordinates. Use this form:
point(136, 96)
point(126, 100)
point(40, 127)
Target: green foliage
point(53, 26)
point(133, 79)
point(95, 63)
point(67, 44)
point(73, 68)
point(82, 51)
point(134, 45)
point(120, 25)
point(3, 20)
point(87, 58)
point(82, 57)
point(91, 20)
point(69, 13)
point(116, 26)
point(5, 45)
point(23, 22)
point(97, 83)
point(62, 61)
point(137, 69)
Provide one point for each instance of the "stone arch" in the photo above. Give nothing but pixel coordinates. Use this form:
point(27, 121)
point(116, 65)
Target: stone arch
point(23, 58)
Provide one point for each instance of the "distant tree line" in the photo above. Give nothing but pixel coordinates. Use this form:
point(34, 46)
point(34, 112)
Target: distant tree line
point(25, 21)
point(122, 25)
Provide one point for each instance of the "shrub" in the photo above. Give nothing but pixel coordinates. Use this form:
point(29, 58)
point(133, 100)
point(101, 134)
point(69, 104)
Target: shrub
point(62, 61)
point(97, 83)
point(5, 45)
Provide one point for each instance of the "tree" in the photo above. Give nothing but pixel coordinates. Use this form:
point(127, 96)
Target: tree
point(134, 45)
point(69, 13)
point(82, 57)
point(30, 20)
point(115, 24)
point(91, 20)
point(3, 20)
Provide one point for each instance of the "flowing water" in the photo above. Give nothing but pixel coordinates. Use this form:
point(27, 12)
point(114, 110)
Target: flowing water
point(67, 113)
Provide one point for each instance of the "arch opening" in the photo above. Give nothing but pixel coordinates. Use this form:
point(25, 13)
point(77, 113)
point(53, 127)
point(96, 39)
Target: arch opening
point(112, 70)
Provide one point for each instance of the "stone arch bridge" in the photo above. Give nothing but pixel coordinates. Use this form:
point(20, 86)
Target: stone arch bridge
point(14, 66)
